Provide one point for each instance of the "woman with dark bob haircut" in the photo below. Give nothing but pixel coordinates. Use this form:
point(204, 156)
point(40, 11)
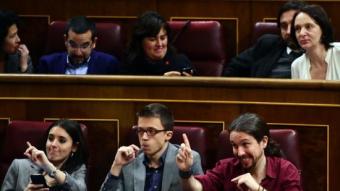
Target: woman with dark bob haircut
point(312, 31)
point(150, 51)
point(61, 163)
point(14, 56)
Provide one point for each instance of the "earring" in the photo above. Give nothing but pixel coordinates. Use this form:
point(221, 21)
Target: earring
point(72, 153)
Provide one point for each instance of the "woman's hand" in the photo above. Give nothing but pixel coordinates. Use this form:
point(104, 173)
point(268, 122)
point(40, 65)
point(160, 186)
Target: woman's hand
point(176, 73)
point(38, 157)
point(35, 187)
point(24, 56)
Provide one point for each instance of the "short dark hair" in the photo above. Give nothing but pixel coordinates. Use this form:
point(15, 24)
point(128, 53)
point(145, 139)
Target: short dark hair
point(290, 5)
point(160, 111)
point(80, 25)
point(73, 129)
point(148, 25)
point(319, 15)
point(252, 124)
point(7, 19)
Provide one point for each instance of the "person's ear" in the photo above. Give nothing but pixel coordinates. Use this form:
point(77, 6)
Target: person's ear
point(264, 141)
point(94, 42)
point(65, 40)
point(168, 135)
point(75, 147)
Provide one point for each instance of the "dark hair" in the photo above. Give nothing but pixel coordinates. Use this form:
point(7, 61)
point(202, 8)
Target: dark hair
point(160, 111)
point(73, 129)
point(148, 25)
point(290, 5)
point(80, 25)
point(7, 19)
point(319, 15)
point(254, 125)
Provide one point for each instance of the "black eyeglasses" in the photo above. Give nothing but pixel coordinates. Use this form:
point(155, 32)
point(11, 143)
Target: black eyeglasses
point(74, 45)
point(150, 131)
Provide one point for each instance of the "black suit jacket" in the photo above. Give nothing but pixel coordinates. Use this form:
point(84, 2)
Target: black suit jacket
point(259, 60)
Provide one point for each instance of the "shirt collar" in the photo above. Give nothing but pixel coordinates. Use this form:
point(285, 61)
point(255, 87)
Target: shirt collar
point(270, 171)
point(146, 160)
point(69, 64)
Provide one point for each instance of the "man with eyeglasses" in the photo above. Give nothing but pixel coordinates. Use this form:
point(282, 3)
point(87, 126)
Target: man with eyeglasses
point(152, 167)
point(80, 57)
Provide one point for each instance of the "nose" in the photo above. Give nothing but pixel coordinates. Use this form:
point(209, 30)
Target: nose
point(78, 51)
point(54, 143)
point(240, 152)
point(158, 42)
point(145, 135)
point(17, 39)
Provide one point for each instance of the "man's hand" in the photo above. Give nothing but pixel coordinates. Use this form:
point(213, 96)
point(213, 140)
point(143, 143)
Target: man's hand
point(124, 155)
point(246, 179)
point(184, 158)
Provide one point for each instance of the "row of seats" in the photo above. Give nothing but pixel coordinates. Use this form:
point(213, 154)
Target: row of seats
point(201, 41)
point(18, 132)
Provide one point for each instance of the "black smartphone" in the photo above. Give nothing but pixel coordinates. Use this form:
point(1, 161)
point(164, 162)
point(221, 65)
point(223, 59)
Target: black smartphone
point(188, 70)
point(38, 179)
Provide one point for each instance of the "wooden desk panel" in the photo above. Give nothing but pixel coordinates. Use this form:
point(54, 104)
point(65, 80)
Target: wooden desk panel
point(311, 107)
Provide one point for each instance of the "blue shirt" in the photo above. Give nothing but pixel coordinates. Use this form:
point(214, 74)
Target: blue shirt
point(80, 69)
point(153, 179)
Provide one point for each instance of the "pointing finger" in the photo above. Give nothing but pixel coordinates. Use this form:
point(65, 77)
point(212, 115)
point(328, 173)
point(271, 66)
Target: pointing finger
point(186, 141)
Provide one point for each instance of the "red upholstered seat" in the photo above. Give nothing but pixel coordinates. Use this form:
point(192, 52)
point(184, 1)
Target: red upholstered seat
point(287, 139)
point(202, 42)
point(110, 39)
point(261, 28)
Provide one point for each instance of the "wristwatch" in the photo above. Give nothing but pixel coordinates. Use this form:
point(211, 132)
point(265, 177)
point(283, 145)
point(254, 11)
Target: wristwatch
point(185, 174)
point(52, 173)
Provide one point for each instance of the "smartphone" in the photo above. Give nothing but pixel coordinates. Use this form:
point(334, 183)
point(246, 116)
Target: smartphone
point(188, 70)
point(38, 179)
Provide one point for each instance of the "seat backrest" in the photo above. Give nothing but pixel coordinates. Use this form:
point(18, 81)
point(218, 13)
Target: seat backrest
point(197, 136)
point(203, 43)
point(17, 133)
point(261, 28)
point(110, 38)
point(287, 139)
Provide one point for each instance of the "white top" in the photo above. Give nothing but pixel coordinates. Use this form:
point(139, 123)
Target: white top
point(301, 65)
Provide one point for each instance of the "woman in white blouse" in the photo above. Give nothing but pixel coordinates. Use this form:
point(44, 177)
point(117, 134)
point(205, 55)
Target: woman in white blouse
point(312, 31)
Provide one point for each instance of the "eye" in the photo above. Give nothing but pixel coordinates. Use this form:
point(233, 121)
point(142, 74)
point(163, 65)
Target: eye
point(309, 26)
point(163, 37)
point(151, 131)
point(50, 137)
point(62, 140)
point(297, 28)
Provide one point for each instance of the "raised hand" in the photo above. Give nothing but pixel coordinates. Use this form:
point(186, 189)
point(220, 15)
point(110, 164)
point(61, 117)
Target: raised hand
point(37, 156)
point(184, 158)
point(126, 154)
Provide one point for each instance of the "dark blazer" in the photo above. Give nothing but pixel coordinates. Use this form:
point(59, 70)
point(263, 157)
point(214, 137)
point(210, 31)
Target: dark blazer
point(259, 60)
point(100, 63)
point(12, 64)
point(171, 62)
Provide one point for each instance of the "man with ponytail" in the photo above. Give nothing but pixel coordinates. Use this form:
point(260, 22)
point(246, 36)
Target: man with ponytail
point(256, 166)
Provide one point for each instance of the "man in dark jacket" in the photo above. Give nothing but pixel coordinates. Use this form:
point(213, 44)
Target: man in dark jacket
point(272, 55)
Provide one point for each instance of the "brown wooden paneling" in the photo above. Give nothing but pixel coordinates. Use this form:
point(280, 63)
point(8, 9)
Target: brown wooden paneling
point(306, 104)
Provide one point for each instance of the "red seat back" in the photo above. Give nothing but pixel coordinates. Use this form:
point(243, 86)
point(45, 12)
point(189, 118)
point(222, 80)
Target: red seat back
point(261, 28)
point(287, 139)
point(202, 42)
